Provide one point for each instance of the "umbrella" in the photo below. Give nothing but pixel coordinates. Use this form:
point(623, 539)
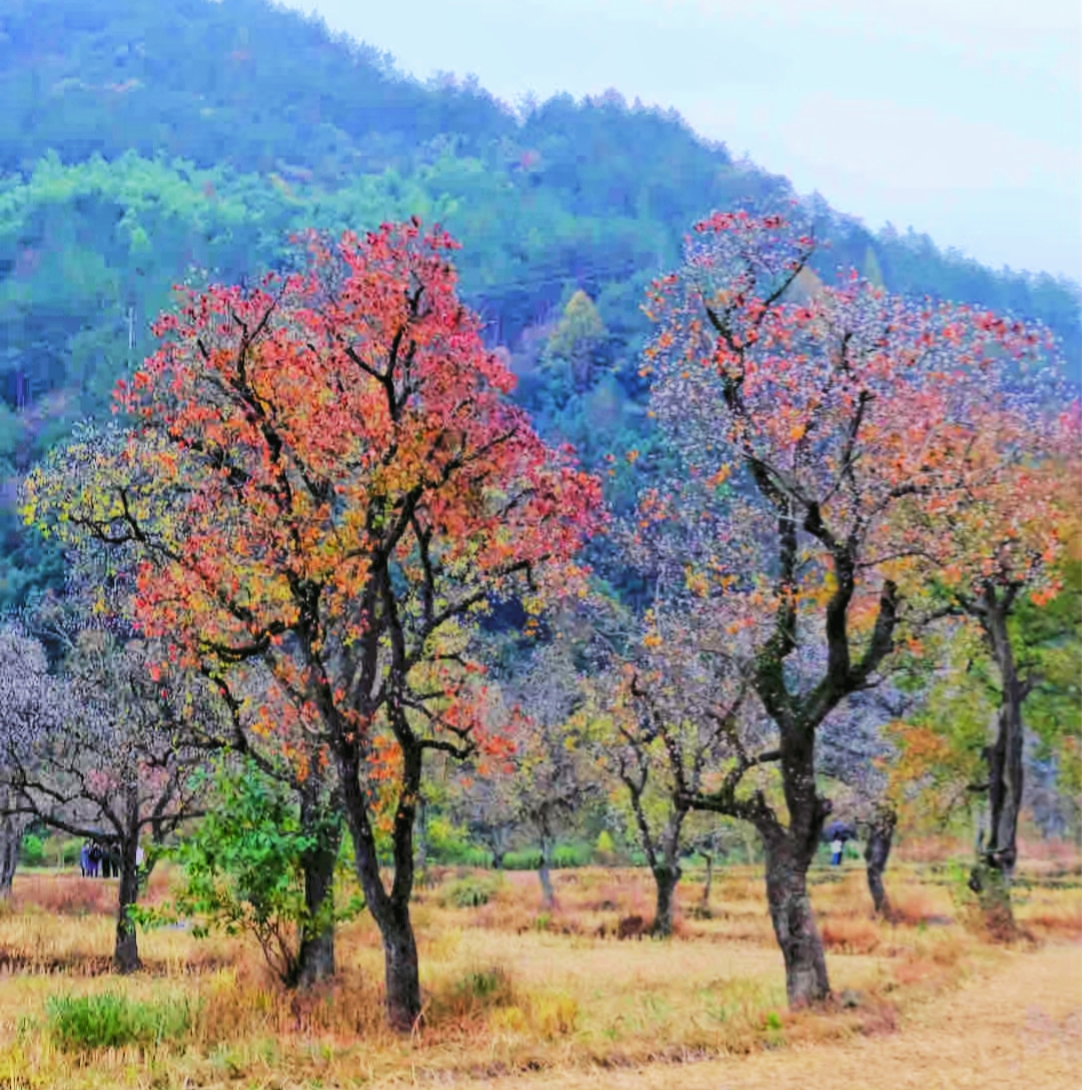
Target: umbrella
point(839, 830)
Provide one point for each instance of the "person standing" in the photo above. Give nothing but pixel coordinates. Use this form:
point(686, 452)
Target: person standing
point(84, 859)
point(836, 847)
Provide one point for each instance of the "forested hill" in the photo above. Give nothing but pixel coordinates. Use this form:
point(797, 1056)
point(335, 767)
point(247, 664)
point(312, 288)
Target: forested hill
point(144, 141)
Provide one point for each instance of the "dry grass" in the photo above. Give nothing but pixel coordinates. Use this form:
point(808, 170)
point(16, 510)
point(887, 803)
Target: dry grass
point(508, 989)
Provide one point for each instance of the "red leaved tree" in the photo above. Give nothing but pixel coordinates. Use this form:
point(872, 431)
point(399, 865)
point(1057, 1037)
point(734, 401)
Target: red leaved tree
point(325, 475)
point(800, 420)
point(978, 560)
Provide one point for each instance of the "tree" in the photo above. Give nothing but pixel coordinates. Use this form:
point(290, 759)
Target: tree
point(324, 476)
point(555, 778)
point(299, 764)
point(985, 557)
point(13, 828)
point(856, 752)
point(244, 871)
point(30, 701)
point(576, 342)
point(826, 413)
point(485, 801)
point(100, 753)
point(672, 718)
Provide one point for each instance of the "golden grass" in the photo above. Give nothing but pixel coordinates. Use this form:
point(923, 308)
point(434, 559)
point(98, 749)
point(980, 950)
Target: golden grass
point(1017, 1028)
point(508, 989)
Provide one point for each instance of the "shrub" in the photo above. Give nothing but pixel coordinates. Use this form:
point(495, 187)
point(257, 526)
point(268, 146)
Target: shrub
point(605, 848)
point(572, 855)
point(112, 1021)
point(479, 991)
point(477, 857)
point(243, 871)
point(469, 892)
point(523, 859)
point(32, 851)
point(555, 1014)
point(69, 852)
point(563, 855)
point(487, 987)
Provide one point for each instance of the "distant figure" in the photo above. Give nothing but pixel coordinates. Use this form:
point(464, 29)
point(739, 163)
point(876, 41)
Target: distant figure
point(84, 860)
point(140, 855)
point(836, 846)
point(94, 857)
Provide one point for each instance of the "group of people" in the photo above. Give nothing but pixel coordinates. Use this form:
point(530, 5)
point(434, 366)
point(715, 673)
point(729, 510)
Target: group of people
point(98, 860)
point(103, 860)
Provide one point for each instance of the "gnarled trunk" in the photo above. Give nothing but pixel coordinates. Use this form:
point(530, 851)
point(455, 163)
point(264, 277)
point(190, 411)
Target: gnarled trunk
point(125, 854)
point(991, 878)
point(876, 854)
point(126, 951)
point(665, 878)
point(315, 959)
point(401, 971)
point(390, 910)
point(791, 913)
point(789, 852)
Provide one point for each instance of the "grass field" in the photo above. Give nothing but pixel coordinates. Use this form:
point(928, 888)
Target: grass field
point(516, 998)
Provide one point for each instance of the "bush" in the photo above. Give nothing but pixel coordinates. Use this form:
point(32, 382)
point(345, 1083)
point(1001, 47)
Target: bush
point(487, 987)
point(469, 892)
point(477, 857)
point(69, 852)
point(478, 992)
point(572, 855)
point(243, 871)
point(527, 859)
point(112, 1021)
point(32, 851)
point(564, 855)
point(605, 848)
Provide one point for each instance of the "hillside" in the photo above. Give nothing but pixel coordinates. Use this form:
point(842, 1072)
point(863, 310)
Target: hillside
point(142, 143)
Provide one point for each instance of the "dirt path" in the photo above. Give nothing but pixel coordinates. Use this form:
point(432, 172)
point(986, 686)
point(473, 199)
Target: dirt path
point(1020, 1027)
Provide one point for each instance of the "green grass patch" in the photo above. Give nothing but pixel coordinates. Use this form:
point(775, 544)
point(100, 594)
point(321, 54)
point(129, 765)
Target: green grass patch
point(112, 1021)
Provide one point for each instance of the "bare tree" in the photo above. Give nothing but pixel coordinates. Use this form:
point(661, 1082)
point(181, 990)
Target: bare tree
point(30, 702)
point(673, 719)
point(555, 778)
point(99, 752)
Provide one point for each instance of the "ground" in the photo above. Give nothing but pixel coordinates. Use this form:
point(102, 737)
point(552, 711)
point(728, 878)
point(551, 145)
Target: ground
point(1017, 1027)
point(517, 998)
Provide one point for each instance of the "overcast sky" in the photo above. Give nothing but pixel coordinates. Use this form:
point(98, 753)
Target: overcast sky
point(962, 118)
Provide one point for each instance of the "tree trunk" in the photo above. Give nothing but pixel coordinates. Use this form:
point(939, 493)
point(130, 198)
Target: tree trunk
point(401, 972)
point(12, 828)
point(124, 853)
point(876, 854)
point(422, 844)
point(389, 910)
point(315, 959)
point(665, 878)
point(791, 913)
point(544, 871)
point(709, 857)
point(126, 953)
point(991, 878)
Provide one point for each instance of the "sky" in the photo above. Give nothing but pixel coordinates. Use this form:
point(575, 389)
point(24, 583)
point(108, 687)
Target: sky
point(960, 118)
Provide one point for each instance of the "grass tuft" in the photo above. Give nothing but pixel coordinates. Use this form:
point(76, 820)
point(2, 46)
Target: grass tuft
point(109, 1020)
